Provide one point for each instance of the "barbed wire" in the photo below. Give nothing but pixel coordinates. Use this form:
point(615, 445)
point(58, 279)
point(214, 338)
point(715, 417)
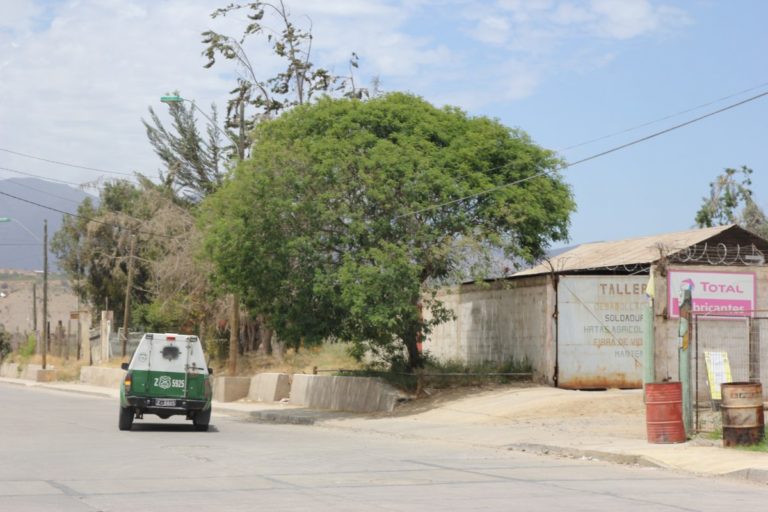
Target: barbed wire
point(720, 254)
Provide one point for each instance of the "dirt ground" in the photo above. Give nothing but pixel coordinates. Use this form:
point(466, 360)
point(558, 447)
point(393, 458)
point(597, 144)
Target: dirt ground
point(16, 305)
point(612, 413)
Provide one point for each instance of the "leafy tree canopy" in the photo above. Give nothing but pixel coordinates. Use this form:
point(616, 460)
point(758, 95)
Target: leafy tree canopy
point(730, 201)
point(348, 213)
point(193, 164)
point(93, 246)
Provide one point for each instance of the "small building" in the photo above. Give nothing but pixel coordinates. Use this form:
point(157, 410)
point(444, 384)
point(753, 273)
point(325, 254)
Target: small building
point(578, 317)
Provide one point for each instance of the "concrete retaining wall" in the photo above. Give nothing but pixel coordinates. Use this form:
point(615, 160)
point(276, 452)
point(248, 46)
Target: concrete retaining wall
point(20, 371)
point(269, 387)
point(229, 389)
point(104, 377)
point(9, 370)
point(354, 394)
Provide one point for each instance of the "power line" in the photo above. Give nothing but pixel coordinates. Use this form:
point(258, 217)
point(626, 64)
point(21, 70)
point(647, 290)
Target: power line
point(670, 116)
point(44, 192)
point(591, 157)
point(67, 164)
point(54, 180)
point(89, 219)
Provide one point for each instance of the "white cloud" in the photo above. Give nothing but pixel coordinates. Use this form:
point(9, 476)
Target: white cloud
point(548, 38)
point(561, 20)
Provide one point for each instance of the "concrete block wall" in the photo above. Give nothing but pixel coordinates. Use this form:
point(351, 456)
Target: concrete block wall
point(497, 322)
point(269, 387)
point(355, 394)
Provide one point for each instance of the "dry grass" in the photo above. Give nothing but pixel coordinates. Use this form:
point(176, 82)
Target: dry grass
point(329, 356)
point(66, 369)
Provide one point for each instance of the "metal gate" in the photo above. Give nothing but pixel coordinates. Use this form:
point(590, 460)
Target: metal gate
point(726, 349)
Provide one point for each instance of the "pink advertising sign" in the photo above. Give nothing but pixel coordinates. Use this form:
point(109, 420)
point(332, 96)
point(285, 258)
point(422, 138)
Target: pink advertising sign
point(717, 293)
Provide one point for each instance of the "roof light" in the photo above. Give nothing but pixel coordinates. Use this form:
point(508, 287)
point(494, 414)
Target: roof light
point(170, 337)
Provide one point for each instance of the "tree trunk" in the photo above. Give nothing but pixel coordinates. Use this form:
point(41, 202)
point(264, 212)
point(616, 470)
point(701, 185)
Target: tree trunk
point(415, 359)
point(234, 333)
point(265, 337)
point(412, 338)
point(278, 348)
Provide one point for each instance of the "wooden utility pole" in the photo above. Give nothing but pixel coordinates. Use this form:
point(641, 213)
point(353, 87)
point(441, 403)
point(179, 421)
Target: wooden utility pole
point(45, 291)
point(128, 287)
point(34, 308)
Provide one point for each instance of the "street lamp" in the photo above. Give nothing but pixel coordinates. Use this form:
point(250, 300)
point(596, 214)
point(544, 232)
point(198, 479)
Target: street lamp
point(25, 228)
point(171, 99)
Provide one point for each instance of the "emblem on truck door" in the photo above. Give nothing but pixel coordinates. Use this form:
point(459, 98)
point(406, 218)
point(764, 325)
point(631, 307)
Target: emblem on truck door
point(164, 382)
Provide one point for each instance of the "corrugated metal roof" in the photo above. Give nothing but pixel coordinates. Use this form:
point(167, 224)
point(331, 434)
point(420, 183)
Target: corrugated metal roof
point(635, 251)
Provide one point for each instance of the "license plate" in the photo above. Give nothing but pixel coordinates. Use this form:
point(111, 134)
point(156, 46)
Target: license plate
point(165, 403)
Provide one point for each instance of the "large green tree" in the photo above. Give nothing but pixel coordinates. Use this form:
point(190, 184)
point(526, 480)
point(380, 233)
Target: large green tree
point(349, 212)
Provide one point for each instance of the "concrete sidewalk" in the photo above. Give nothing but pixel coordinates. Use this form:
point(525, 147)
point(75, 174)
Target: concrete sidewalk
point(606, 426)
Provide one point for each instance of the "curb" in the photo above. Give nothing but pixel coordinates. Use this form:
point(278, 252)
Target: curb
point(107, 393)
point(751, 474)
point(576, 453)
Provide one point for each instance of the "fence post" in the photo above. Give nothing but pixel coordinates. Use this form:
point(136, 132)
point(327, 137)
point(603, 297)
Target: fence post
point(754, 350)
point(685, 358)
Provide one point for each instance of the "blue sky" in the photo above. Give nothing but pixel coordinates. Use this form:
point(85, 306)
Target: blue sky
point(77, 76)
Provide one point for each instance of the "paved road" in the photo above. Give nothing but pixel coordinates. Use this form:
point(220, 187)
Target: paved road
point(63, 452)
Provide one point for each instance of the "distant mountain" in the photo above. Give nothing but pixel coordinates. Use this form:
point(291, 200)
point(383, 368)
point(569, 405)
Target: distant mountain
point(21, 238)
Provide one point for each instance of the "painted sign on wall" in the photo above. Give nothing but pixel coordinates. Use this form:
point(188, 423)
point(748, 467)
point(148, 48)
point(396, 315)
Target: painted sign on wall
point(718, 293)
point(600, 331)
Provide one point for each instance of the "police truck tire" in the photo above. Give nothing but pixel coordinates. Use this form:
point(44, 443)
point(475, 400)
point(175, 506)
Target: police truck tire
point(126, 418)
point(201, 420)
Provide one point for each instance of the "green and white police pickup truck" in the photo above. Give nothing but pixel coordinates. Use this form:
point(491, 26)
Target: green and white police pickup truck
point(167, 376)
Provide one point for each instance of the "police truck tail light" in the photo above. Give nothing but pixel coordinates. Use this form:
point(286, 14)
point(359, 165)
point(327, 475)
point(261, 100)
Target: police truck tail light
point(127, 382)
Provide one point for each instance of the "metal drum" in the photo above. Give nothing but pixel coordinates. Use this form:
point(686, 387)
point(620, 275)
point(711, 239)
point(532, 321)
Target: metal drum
point(664, 412)
point(743, 417)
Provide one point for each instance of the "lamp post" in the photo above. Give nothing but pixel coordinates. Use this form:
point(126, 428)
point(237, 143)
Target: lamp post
point(234, 320)
point(44, 241)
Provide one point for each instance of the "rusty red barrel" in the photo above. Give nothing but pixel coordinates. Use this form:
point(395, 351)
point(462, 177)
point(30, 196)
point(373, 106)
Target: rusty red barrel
point(664, 412)
point(743, 417)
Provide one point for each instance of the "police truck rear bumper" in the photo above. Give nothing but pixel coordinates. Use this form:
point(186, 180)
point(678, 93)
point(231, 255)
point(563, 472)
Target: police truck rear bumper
point(151, 405)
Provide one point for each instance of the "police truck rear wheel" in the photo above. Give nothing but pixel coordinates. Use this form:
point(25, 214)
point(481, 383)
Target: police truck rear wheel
point(126, 418)
point(201, 420)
